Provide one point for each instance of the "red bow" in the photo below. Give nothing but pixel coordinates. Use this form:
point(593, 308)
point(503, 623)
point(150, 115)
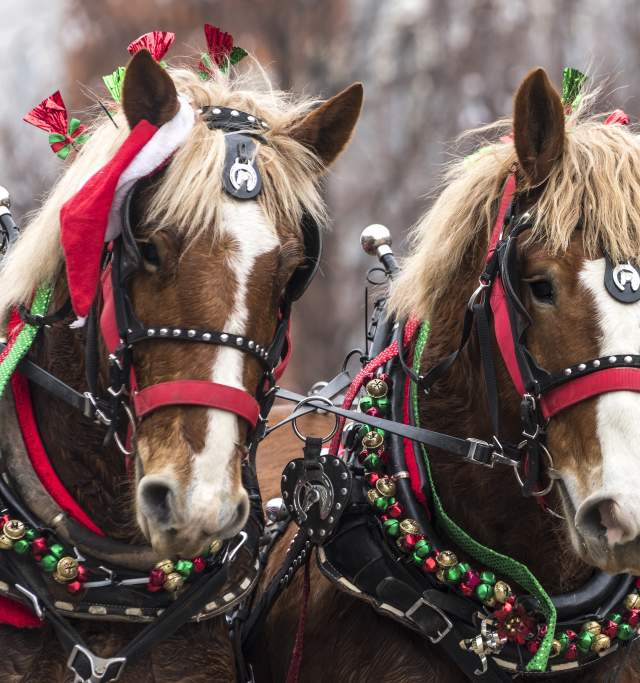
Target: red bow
point(220, 51)
point(618, 116)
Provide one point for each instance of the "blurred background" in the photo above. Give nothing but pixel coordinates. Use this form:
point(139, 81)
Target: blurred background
point(431, 69)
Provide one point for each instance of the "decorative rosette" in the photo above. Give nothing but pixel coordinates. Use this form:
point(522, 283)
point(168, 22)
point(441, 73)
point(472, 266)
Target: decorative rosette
point(221, 52)
point(157, 42)
point(51, 116)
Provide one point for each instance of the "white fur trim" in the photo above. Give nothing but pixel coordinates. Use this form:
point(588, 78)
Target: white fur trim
point(160, 147)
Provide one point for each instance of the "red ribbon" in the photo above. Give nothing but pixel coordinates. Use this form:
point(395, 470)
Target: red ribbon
point(157, 42)
point(50, 115)
point(618, 116)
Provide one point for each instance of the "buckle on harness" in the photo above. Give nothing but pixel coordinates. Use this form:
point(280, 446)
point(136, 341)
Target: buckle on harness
point(423, 602)
point(89, 668)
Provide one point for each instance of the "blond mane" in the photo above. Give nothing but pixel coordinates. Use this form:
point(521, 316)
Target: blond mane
point(188, 195)
point(597, 182)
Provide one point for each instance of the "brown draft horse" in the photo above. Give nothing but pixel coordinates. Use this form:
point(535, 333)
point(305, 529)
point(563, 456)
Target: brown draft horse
point(210, 262)
point(577, 172)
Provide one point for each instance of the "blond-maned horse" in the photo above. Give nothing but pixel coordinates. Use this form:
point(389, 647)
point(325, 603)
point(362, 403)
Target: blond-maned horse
point(210, 261)
point(580, 180)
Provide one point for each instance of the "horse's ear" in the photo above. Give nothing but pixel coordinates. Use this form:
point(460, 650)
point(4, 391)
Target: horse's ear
point(327, 129)
point(148, 92)
point(538, 126)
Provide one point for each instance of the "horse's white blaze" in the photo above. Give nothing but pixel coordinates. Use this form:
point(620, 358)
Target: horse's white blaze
point(617, 412)
point(210, 487)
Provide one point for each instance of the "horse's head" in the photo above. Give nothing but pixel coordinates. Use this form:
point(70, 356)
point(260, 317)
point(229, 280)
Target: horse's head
point(578, 179)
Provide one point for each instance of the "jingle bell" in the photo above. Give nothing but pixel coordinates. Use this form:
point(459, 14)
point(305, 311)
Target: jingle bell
point(66, 569)
point(410, 526)
point(632, 601)
point(386, 486)
point(592, 627)
point(601, 643)
point(372, 496)
point(216, 546)
point(446, 558)
point(5, 542)
point(166, 566)
point(556, 649)
point(377, 388)
point(173, 582)
point(372, 440)
point(14, 529)
point(501, 591)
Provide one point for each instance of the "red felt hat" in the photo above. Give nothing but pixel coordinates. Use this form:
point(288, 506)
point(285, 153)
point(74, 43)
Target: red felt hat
point(92, 216)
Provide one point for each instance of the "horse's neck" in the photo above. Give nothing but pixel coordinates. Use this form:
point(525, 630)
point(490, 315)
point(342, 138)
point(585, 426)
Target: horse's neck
point(487, 503)
point(94, 475)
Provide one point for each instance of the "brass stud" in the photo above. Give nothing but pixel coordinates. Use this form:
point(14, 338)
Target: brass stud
point(14, 529)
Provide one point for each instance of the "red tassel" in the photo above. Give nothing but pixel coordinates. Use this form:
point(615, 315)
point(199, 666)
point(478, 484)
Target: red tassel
point(157, 42)
point(50, 115)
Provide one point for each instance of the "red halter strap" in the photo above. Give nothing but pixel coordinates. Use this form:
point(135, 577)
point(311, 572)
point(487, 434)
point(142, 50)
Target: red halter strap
point(571, 390)
point(177, 392)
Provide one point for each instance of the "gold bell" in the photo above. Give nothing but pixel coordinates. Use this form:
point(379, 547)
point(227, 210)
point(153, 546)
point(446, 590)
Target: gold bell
point(409, 526)
point(592, 627)
point(5, 542)
point(556, 648)
point(386, 487)
point(216, 546)
point(372, 440)
point(632, 601)
point(377, 388)
point(373, 495)
point(14, 529)
point(167, 566)
point(173, 582)
point(446, 558)
point(501, 591)
point(601, 643)
point(66, 569)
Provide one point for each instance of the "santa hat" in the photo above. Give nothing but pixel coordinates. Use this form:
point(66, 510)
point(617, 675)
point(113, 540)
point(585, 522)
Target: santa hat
point(93, 215)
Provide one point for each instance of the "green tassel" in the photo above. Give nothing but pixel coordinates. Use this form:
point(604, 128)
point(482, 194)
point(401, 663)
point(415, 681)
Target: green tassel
point(572, 82)
point(114, 82)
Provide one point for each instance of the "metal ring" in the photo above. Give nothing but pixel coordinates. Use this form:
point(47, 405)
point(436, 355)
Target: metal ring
point(310, 399)
point(550, 466)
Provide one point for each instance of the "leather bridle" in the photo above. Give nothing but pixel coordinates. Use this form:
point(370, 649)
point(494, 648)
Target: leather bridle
point(497, 313)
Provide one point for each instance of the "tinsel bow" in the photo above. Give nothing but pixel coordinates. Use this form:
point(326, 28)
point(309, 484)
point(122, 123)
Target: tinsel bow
point(51, 116)
point(157, 42)
point(114, 81)
point(572, 82)
point(619, 117)
point(221, 52)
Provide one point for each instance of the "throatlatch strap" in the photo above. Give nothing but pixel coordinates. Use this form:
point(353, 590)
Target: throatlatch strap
point(22, 337)
point(500, 563)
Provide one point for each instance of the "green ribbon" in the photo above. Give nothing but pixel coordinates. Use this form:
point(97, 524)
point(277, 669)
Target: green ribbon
point(25, 338)
point(114, 81)
point(499, 563)
point(572, 82)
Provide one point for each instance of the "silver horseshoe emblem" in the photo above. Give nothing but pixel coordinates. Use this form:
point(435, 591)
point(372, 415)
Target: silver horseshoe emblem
point(242, 172)
point(625, 273)
point(309, 493)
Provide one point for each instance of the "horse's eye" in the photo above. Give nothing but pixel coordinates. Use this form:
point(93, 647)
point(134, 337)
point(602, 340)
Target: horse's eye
point(542, 290)
point(150, 254)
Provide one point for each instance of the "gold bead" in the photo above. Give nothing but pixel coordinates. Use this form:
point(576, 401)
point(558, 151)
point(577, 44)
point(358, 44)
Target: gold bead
point(501, 591)
point(14, 529)
point(386, 486)
point(555, 648)
point(409, 526)
point(167, 566)
point(377, 388)
point(601, 643)
point(592, 627)
point(173, 582)
point(66, 569)
point(372, 495)
point(446, 558)
point(372, 440)
point(5, 542)
point(216, 546)
point(632, 601)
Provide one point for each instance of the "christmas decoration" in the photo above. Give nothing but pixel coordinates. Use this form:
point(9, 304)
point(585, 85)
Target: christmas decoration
point(221, 52)
point(572, 82)
point(114, 82)
point(156, 42)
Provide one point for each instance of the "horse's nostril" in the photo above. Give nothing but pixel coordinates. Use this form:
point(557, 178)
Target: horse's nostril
point(156, 500)
point(608, 519)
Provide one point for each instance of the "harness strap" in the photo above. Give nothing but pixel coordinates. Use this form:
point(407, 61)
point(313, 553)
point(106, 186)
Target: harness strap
point(196, 393)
